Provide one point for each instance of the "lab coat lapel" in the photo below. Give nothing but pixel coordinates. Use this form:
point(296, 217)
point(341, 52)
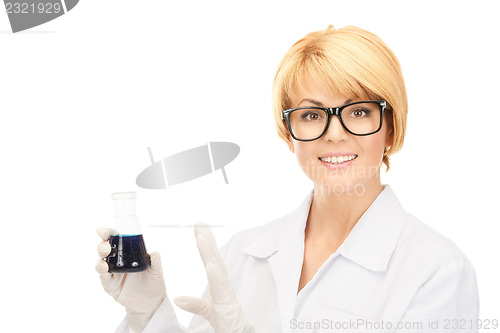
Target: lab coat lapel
point(373, 239)
point(286, 266)
point(283, 247)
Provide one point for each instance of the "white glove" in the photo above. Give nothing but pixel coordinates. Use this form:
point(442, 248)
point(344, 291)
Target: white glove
point(222, 310)
point(140, 293)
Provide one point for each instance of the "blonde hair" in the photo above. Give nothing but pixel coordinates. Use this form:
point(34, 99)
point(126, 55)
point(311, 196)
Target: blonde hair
point(351, 62)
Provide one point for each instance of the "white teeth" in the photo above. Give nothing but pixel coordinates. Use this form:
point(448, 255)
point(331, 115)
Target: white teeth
point(338, 159)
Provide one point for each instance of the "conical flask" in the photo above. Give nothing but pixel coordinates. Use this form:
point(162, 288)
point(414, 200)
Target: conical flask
point(128, 251)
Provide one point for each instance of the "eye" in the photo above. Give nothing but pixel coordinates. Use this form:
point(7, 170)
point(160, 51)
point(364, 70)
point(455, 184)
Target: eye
point(359, 113)
point(311, 116)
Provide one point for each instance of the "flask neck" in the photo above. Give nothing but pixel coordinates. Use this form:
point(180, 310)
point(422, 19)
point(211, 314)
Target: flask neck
point(124, 207)
point(125, 221)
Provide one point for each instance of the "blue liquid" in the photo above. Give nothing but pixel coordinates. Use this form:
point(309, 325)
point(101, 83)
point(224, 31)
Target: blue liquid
point(128, 254)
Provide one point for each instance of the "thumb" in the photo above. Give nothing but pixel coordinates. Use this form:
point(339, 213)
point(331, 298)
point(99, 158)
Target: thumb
point(156, 267)
point(194, 305)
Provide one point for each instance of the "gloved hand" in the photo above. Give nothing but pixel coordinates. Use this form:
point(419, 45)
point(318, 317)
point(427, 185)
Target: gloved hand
point(140, 293)
point(222, 310)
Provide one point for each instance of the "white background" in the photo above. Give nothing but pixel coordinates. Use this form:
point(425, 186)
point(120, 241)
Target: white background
point(83, 96)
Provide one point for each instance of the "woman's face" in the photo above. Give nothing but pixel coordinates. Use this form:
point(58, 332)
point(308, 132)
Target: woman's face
point(351, 177)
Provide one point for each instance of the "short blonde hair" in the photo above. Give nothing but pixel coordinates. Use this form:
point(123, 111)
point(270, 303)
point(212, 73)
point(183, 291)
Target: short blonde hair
point(351, 62)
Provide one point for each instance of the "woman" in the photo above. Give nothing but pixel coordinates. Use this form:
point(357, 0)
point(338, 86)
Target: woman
point(349, 258)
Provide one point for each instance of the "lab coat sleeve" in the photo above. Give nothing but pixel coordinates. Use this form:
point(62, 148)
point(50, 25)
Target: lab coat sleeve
point(447, 302)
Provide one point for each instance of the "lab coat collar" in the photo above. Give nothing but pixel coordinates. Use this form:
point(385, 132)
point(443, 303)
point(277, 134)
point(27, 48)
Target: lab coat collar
point(370, 243)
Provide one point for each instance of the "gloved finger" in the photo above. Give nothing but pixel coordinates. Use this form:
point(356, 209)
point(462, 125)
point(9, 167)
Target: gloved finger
point(194, 305)
point(101, 267)
point(204, 250)
point(219, 286)
point(156, 269)
point(202, 229)
point(209, 257)
point(103, 249)
point(112, 283)
point(104, 233)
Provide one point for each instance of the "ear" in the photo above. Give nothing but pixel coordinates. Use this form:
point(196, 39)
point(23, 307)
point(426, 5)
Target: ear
point(389, 137)
point(290, 145)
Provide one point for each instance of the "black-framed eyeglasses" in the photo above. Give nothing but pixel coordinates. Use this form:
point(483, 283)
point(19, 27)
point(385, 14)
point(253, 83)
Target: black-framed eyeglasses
point(308, 123)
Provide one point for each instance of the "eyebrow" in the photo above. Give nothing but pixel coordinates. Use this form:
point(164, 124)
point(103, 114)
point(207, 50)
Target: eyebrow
point(318, 103)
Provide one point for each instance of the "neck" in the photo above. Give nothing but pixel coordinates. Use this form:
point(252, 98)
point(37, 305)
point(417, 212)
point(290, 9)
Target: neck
point(333, 215)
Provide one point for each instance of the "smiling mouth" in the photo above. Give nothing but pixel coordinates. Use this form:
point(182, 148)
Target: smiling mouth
point(337, 159)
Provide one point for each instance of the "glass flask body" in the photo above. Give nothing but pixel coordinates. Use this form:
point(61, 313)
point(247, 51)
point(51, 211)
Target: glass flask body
point(128, 250)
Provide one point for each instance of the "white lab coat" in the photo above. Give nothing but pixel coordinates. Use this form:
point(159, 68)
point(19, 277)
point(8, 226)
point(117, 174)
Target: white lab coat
point(391, 270)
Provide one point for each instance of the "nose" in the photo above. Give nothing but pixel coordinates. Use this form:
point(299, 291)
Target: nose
point(335, 131)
